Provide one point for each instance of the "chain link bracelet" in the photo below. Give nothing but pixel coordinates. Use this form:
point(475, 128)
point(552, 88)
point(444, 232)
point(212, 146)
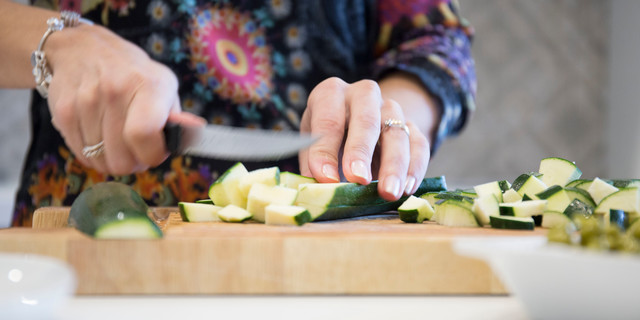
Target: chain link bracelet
point(41, 70)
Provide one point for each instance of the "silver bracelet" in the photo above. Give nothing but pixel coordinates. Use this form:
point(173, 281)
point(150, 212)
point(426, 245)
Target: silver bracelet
point(41, 71)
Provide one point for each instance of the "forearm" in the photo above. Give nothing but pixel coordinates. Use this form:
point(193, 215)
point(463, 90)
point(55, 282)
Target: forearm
point(21, 28)
point(419, 106)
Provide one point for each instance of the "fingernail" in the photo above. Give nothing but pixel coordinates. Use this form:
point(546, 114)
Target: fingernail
point(359, 169)
point(408, 189)
point(392, 185)
point(330, 172)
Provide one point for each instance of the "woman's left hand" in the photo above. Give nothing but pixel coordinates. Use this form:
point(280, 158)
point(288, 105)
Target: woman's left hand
point(349, 121)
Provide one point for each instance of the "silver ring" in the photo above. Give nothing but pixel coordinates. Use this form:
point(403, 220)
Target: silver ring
point(93, 151)
point(395, 123)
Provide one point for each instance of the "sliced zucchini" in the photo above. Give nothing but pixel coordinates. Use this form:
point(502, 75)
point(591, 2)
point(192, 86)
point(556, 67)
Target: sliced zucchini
point(225, 190)
point(262, 195)
point(580, 194)
point(511, 196)
point(267, 176)
point(619, 218)
point(626, 199)
point(454, 213)
point(625, 183)
point(488, 188)
point(504, 185)
point(198, 212)
point(293, 180)
point(558, 171)
point(286, 215)
point(600, 189)
point(576, 182)
point(528, 185)
point(233, 213)
point(431, 197)
point(507, 222)
point(484, 207)
point(205, 201)
point(523, 209)
point(554, 219)
point(415, 210)
point(557, 198)
point(112, 210)
point(577, 208)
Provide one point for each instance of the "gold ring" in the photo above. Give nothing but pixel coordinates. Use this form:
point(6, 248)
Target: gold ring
point(395, 123)
point(93, 151)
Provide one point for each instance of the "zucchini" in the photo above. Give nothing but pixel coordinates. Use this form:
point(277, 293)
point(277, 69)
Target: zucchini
point(112, 210)
point(198, 212)
point(600, 189)
point(485, 207)
point(233, 213)
point(580, 194)
point(453, 213)
point(504, 185)
point(577, 208)
point(490, 188)
point(262, 195)
point(626, 199)
point(267, 176)
point(286, 215)
point(415, 210)
point(554, 219)
point(523, 209)
point(225, 190)
point(431, 197)
point(353, 194)
point(518, 223)
point(625, 183)
point(205, 201)
point(528, 185)
point(558, 171)
point(619, 218)
point(557, 198)
point(293, 180)
point(511, 196)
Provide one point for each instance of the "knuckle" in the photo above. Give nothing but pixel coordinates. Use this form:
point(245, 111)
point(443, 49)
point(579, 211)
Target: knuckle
point(121, 167)
point(64, 114)
point(333, 83)
point(368, 85)
point(329, 124)
point(360, 151)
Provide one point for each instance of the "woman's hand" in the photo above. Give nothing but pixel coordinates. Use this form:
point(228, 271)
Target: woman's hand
point(107, 89)
point(348, 118)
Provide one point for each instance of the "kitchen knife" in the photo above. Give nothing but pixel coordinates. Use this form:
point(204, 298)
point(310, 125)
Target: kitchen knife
point(231, 143)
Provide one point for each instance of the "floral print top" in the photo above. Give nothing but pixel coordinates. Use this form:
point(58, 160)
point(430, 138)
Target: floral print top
point(252, 63)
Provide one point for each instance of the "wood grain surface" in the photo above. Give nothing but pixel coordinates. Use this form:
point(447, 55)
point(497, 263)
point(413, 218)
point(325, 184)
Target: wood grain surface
point(375, 255)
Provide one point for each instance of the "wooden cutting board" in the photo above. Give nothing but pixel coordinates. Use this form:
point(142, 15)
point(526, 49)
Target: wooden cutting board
point(375, 255)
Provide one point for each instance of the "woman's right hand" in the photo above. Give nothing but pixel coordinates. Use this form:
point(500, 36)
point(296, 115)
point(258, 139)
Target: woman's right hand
point(105, 88)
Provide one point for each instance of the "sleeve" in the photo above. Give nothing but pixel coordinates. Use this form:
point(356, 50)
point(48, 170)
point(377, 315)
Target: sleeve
point(430, 40)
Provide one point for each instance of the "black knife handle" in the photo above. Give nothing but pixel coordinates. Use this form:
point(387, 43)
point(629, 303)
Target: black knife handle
point(172, 137)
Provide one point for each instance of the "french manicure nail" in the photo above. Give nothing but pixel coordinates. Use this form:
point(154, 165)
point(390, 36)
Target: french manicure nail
point(392, 185)
point(330, 172)
point(359, 169)
point(411, 181)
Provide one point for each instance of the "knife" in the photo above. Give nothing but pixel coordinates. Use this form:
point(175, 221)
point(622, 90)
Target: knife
point(232, 143)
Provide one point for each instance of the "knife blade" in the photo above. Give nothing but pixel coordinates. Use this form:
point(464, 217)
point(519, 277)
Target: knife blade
point(232, 143)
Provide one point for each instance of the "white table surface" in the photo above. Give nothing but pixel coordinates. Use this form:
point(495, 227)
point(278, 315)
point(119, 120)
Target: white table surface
point(291, 307)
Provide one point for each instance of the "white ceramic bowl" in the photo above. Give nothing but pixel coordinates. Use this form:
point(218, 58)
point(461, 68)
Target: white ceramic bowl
point(555, 281)
point(33, 286)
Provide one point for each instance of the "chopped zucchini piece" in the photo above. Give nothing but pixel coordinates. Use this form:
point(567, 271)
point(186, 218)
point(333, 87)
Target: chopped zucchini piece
point(558, 171)
point(198, 212)
point(619, 218)
point(415, 210)
point(293, 180)
point(484, 207)
point(524, 208)
point(600, 189)
point(553, 219)
point(233, 213)
point(455, 213)
point(267, 176)
point(511, 196)
point(225, 190)
point(286, 215)
point(493, 188)
point(528, 185)
point(580, 194)
point(557, 198)
point(262, 195)
point(507, 222)
point(578, 208)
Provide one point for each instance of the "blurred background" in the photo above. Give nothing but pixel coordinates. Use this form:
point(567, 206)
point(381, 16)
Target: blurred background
point(555, 78)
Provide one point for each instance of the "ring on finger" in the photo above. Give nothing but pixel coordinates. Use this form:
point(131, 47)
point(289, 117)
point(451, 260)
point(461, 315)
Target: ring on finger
point(395, 123)
point(93, 151)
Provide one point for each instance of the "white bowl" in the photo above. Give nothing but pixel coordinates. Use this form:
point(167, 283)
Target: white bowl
point(555, 281)
point(33, 286)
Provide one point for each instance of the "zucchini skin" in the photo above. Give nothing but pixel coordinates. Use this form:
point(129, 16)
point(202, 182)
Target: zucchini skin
point(374, 204)
point(106, 202)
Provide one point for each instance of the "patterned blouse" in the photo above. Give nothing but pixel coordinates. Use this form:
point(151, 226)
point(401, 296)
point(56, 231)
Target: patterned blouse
point(252, 63)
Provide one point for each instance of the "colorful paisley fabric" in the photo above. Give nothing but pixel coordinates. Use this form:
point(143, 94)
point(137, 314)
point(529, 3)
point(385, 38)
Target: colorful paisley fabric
point(253, 64)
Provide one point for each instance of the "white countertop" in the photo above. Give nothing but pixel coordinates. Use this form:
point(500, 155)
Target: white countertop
point(291, 307)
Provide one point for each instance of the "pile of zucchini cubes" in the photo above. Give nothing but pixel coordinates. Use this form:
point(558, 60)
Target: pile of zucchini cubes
point(597, 213)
